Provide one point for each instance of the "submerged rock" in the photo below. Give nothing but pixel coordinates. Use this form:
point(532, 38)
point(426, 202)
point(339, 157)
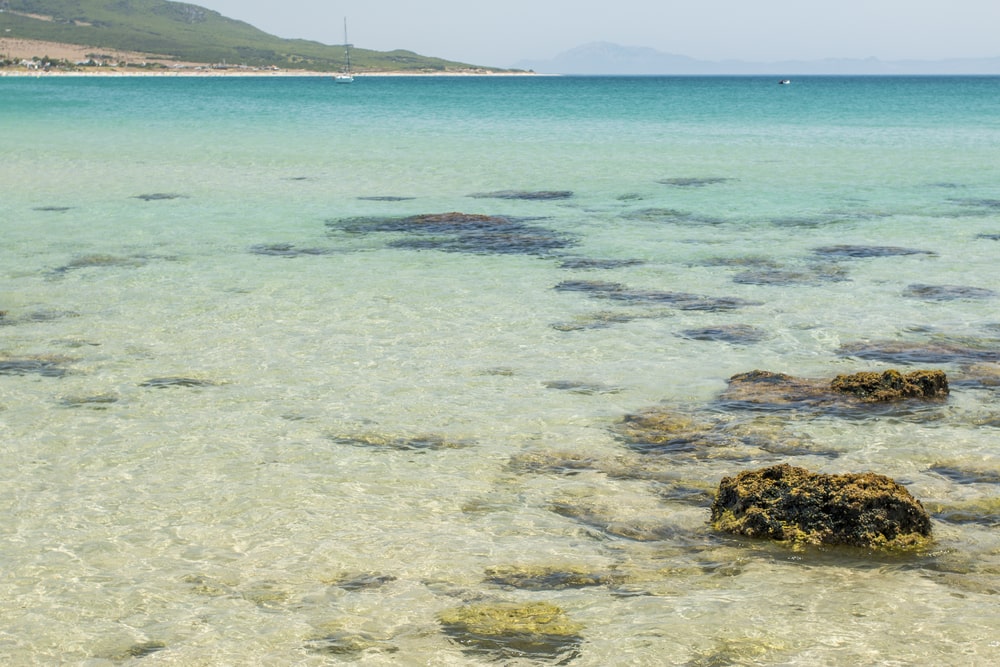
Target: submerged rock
point(795, 505)
point(539, 195)
point(947, 292)
point(542, 578)
point(344, 643)
point(765, 390)
point(892, 385)
point(33, 366)
point(362, 582)
point(926, 352)
point(508, 631)
point(462, 232)
point(737, 334)
point(99, 261)
point(576, 387)
point(679, 300)
point(694, 182)
point(589, 263)
point(287, 250)
point(398, 442)
point(386, 198)
point(868, 251)
point(160, 196)
point(177, 381)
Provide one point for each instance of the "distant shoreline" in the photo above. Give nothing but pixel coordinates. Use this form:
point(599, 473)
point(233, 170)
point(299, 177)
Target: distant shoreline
point(104, 73)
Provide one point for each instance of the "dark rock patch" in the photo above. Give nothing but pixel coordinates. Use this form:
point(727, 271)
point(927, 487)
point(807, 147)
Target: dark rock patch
point(177, 381)
point(677, 436)
point(539, 195)
point(94, 401)
point(588, 264)
point(915, 352)
point(576, 387)
point(387, 198)
point(52, 368)
point(553, 462)
point(363, 582)
point(750, 262)
point(350, 644)
point(548, 578)
point(694, 182)
point(287, 250)
point(982, 511)
point(966, 475)
point(795, 505)
point(462, 232)
point(868, 251)
point(978, 203)
point(785, 277)
point(53, 209)
point(602, 320)
point(671, 215)
point(509, 631)
point(398, 442)
point(160, 196)
point(678, 300)
point(947, 292)
point(989, 237)
point(99, 261)
point(736, 334)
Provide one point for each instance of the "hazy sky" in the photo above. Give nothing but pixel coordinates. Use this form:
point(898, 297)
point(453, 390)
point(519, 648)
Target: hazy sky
point(501, 32)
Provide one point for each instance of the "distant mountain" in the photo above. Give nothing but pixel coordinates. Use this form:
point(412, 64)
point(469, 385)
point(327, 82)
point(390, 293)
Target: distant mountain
point(606, 58)
point(188, 33)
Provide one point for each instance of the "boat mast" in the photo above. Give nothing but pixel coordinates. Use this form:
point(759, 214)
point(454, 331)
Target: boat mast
point(347, 47)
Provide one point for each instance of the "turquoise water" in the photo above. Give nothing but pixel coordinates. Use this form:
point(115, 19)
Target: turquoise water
point(250, 418)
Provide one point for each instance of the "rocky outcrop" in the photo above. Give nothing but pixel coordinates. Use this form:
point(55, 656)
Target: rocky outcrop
point(765, 390)
point(795, 505)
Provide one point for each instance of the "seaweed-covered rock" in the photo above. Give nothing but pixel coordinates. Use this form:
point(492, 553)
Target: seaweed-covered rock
point(795, 505)
point(44, 366)
point(892, 385)
point(679, 300)
point(286, 250)
point(177, 381)
point(538, 630)
point(765, 390)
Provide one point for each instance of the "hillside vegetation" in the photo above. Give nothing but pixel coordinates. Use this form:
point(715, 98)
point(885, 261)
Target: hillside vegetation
point(189, 33)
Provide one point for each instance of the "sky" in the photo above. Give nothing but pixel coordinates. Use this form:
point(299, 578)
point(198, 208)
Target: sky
point(499, 33)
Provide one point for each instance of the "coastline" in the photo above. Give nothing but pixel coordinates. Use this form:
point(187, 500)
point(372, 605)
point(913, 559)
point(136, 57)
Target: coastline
point(104, 72)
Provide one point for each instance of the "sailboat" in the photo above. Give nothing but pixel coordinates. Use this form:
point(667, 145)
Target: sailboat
point(345, 76)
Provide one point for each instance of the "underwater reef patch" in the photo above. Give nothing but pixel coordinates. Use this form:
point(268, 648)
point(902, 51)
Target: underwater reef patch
point(287, 250)
point(797, 506)
point(694, 181)
point(847, 395)
point(509, 631)
point(868, 251)
point(527, 195)
point(736, 334)
point(679, 300)
point(462, 232)
point(947, 292)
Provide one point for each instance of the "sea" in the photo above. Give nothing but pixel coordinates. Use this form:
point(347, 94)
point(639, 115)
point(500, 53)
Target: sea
point(293, 373)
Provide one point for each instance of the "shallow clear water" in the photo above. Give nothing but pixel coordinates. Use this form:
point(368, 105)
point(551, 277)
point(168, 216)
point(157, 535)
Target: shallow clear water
point(330, 402)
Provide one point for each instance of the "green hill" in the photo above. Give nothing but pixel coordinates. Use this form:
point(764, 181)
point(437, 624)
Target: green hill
point(189, 33)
